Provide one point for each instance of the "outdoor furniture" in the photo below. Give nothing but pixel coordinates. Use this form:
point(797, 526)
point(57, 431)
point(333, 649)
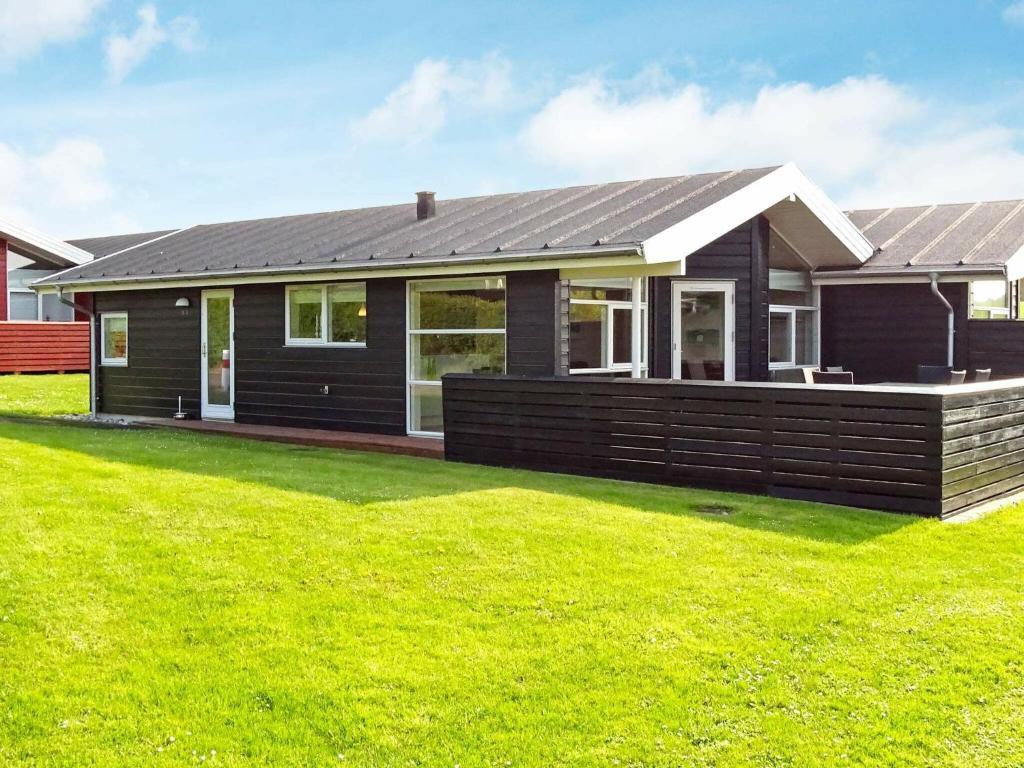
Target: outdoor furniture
point(792, 376)
point(834, 368)
point(939, 374)
point(982, 374)
point(695, 371)
point(832, 377)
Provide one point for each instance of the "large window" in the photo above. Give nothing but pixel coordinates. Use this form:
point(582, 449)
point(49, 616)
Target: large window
point(455, 326)
point(114, 338)
point(601, 326)
point(990, 300)
point(792, 320)
point(326, 314)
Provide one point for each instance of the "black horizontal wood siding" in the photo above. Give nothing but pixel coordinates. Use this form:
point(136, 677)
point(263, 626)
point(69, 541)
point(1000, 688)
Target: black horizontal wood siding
point(281, 385)
point(883, 332)
point(163, 354)
point(923, 452)
point(996, 344)
point(534, 323)
point(739, 256)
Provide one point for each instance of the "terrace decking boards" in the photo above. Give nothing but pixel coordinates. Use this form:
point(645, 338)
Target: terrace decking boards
point(916, 451)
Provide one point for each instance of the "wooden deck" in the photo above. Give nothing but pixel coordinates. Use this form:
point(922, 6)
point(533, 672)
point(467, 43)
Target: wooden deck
point(356, 441)
point(34, 347)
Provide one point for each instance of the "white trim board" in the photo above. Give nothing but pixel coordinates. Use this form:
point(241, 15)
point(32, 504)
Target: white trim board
point(709, 224)
point(619, 257)
point(37, 245)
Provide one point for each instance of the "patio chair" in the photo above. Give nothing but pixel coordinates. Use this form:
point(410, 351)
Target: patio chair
point(695, 371)
point(792, 376)
point(981, 374)
point(933, 374)
point(939, 374)
point(832, 377)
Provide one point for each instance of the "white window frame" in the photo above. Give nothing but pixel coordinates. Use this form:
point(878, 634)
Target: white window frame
point(994, 313)
point(113, 362)
point(410, 382)
point(791, 310)
point(325, 318)
point(728, 290)
point(607, 354)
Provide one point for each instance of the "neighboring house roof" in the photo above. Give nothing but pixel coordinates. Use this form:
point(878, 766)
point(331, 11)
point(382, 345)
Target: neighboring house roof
point(653, 220)
point(104, 246)
point(966, 238)
point(37, 246)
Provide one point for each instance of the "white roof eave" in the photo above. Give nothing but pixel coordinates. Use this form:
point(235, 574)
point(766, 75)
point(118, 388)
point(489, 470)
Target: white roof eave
point(34, 243)
point(706, 226)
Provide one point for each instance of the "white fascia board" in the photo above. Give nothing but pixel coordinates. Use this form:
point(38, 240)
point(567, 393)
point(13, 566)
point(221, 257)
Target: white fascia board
point(666, 269)
point(706, 226)
point(23, 238)
point(1015, 266)
point(629, 259)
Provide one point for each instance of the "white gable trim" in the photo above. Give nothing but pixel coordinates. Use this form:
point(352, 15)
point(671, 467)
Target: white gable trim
point(1015, 266)
point(706, 226)
point(34, 243)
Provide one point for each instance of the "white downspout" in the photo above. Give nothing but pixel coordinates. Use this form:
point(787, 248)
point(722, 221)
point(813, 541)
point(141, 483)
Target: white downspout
point(934, 278)
point(92, 346)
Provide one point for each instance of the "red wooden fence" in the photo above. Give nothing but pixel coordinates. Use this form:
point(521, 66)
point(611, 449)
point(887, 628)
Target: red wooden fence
point(44, 347)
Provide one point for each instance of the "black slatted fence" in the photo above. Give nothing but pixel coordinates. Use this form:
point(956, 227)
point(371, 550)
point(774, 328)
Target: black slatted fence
point(923, 451)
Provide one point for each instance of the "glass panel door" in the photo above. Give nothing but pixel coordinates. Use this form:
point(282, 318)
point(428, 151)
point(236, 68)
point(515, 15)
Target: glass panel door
point(702, 331)
point(218, 355)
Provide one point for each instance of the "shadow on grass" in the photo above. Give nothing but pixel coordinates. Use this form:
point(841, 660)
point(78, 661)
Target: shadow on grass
point(367, 478)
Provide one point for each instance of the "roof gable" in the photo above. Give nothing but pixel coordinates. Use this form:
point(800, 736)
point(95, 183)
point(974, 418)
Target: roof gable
point(42, 247)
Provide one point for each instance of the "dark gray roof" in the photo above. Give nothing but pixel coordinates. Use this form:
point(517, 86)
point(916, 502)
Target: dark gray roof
point(573, 219)
point(958, 237)
point(104, 246)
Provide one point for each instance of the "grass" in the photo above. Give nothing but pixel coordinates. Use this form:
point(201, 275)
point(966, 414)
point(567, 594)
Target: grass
point(166, 597)
point(44, 395)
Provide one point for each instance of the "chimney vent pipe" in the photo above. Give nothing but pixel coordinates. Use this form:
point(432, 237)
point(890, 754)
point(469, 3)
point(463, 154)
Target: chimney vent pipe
point(426, 207)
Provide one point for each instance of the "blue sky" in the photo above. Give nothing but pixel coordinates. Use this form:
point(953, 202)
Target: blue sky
point(137, 115)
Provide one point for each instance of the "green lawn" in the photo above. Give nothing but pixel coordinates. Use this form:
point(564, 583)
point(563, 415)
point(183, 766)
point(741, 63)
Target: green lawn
point(166, 596)
point(44, 395)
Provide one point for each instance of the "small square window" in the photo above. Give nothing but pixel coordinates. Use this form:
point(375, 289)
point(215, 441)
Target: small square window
point(114, 333)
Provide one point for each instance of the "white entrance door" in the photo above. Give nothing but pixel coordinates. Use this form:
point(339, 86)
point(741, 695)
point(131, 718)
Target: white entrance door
point(217, 354)
point(704, 330)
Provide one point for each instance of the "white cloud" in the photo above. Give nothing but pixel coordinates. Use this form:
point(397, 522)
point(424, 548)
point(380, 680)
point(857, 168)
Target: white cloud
point(866, 140)
point(418, 108)
point(1014, 13)
point(27, 26)
point(63, 191)
point(74, 171)
point(126, 52)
